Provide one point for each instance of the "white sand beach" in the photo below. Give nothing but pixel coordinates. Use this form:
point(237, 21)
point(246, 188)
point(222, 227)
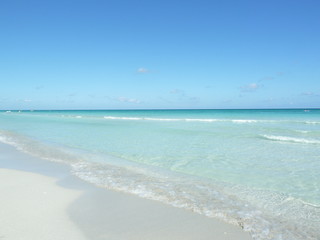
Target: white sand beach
point(33, 206)
point(37, 204)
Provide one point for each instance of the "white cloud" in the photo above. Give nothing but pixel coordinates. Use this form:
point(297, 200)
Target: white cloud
point(182, 95)
point(129, 100)
point(250, 87)
point(177, 91)
point(142, 70)
point(310, 94)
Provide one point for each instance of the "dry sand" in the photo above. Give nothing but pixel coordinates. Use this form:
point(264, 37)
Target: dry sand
point(33, 206)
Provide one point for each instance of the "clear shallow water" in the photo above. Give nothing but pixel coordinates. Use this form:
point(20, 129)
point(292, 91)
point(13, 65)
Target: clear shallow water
point(256, 168)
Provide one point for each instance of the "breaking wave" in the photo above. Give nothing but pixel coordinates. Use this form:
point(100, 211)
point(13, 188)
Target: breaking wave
point(290, 139)
point(183, 119)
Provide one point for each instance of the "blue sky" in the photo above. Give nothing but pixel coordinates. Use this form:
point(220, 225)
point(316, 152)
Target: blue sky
point(117, 54)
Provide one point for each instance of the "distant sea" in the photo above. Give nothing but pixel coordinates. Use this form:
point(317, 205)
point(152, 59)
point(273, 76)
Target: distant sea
point(256, 168)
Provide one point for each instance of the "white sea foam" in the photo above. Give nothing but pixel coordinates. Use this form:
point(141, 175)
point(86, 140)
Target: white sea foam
point(162, 119)
point(6, 140)
point(312, 122)
point(143, 118)
point(244, 121)
point(37, 149)
point(183, 119)
point(291, 139)
point(211, 199)
point(302, 131)
point(202, 120)
point(122, 118)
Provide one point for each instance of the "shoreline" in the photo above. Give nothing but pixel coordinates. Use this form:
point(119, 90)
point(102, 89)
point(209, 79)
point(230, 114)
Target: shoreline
point(56, 205)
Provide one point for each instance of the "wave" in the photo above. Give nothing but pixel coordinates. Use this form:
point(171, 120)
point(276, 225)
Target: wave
point(302, 131)
point(290, 139)
point(234, 204)
point(38, 149)
point(312, 122)
point(168, 119)
point(184, 119)
point(122, 118)
point(161, 119)
point(244, 121)
point(211, 120)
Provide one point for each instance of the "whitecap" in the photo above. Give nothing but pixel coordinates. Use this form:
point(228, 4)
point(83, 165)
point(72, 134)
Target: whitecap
point(290, 139)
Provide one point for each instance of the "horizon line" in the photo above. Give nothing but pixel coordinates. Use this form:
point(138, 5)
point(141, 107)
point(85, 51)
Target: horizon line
point(154, 109)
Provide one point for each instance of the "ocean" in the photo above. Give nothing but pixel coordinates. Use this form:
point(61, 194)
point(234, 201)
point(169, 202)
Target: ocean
point(256, 168)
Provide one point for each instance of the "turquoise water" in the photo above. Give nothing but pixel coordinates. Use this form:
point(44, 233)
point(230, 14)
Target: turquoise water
point(256, 168)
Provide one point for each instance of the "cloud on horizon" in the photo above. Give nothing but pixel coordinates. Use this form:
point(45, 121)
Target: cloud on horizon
point(128, 100)
point(182, 95)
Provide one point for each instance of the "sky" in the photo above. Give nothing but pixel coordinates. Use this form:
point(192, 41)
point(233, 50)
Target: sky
point(148, 54)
